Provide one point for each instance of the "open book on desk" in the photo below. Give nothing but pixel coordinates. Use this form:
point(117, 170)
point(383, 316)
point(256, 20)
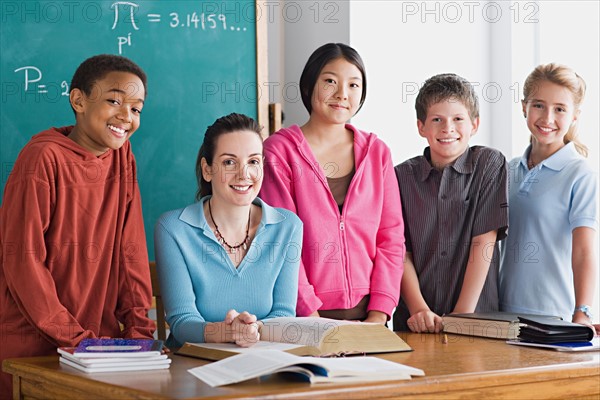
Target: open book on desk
point(309, 336)
point(315, 370)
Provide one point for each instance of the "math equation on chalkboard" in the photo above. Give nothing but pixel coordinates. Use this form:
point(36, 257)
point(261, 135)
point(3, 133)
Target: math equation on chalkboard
point(128, 12)
point(124, 20)
point(194, 20)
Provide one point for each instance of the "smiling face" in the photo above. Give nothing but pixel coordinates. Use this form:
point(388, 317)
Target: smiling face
point(110, 114)
point(550, 112)
point(236, 173)
point(447, 128)
point(337, 93)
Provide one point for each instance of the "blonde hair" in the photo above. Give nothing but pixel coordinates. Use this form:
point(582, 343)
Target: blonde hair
point(563, 76)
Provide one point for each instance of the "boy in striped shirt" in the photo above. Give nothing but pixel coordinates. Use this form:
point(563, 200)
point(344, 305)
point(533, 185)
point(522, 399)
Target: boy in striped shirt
point(454, 203)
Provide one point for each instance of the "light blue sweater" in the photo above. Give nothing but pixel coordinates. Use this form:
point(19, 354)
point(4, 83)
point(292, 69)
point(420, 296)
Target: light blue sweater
point(199, 283)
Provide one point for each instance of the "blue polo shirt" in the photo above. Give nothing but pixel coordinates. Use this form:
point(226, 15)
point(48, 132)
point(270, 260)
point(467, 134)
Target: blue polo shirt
point(545, 204)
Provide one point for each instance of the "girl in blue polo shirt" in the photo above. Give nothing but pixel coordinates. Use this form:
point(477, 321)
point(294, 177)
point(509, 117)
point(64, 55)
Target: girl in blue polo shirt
point(548, 260)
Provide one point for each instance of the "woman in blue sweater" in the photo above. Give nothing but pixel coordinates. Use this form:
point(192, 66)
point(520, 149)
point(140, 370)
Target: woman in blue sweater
point(230, 250)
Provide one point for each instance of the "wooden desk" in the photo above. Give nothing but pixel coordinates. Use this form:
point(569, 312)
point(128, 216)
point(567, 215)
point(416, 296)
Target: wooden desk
point(466, 367)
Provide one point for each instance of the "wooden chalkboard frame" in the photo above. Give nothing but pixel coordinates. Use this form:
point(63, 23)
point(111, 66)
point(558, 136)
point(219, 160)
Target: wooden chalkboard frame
point(262, 70)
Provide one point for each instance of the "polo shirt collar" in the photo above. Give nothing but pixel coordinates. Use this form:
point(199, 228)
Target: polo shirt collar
point(463, 164)
point(556, 161)
point(194, 214)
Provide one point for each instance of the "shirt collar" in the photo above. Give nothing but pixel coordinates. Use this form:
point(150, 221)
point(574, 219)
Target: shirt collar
point(463, 164)
point(556, 161)
point(194, 214)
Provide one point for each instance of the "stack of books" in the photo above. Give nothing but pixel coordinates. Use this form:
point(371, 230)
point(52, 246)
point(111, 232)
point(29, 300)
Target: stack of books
point(114, 355)
point(556, 335)
point(524, 330)
point(495, 325)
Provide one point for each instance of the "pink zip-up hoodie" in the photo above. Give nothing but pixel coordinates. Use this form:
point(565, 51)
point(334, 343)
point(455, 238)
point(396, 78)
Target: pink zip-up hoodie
point(344, 257)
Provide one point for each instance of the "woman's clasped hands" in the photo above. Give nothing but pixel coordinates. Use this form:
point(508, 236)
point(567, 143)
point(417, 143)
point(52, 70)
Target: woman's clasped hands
point(242, 328)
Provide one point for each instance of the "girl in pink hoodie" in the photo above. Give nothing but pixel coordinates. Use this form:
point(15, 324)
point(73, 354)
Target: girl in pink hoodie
point(341, 183)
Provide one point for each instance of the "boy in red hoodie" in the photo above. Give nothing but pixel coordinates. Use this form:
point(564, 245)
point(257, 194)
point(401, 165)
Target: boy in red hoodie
point(73, 260)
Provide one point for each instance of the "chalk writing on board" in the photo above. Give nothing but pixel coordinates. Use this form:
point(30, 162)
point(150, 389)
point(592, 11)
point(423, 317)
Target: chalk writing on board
point(124, 40)
point(32, 75)
point(206, 21)
point(125, 12)
point(132, 7)
point(194, 20)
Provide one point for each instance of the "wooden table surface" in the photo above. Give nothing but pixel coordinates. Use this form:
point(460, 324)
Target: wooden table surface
point(465, 367)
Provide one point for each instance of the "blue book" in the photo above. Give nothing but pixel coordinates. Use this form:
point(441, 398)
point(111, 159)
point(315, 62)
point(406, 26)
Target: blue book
point(90, 348)
point(593, 345)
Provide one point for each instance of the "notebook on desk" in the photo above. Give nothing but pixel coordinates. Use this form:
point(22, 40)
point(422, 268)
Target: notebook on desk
point(549, 331)
point(495, 325)
point(593, 345)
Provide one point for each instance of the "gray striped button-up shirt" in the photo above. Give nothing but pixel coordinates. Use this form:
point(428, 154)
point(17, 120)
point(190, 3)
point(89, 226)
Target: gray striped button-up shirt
point(443, 211)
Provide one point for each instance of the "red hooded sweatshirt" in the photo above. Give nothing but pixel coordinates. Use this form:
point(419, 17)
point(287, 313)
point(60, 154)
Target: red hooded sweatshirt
point(73, 260)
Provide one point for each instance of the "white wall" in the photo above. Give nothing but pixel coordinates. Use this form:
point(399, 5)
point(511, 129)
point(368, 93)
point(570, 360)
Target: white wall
point(577, 44)
point(296, 29)
point(416, 42)
point(493, 44)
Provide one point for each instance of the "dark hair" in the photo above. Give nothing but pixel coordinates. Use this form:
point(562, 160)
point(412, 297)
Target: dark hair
point(230, 123)
point(444, 87)
point(97, 67)
point(318, 59)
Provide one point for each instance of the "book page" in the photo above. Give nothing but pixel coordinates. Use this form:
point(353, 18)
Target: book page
point(368, 366)
point(307, 331)
point(243, 367)
point(262, 345)
point(246, 366)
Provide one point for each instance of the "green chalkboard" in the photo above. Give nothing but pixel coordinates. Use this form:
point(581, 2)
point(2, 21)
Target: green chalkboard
point(202, 58)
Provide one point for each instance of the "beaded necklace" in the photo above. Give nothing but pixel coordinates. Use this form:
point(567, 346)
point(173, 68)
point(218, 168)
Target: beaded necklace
point(221, 239)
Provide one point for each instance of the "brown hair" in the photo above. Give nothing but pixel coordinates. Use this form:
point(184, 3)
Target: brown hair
point(444, 87)
point(563, 76)
point(227, 124)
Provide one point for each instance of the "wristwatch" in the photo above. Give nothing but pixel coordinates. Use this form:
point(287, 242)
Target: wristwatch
point(587, 310)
